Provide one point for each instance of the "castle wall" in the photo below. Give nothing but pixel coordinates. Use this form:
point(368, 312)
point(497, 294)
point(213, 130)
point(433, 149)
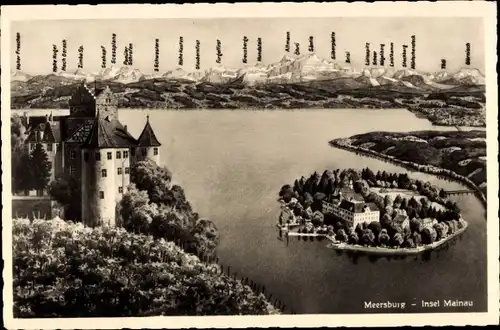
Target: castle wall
point(153, 153)
point(107, 105)
point(100, 194)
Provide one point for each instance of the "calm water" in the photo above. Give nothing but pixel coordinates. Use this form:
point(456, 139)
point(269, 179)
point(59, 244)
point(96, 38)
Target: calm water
point(232, 164)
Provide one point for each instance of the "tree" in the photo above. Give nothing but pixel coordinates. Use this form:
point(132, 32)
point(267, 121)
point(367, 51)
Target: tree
point(417, 238)
point(21, 172)
point(404, 204)
point(136, 211)
point(386, 221)
point(387, 200)
point(286, 192)
point(383, 237)
point(318, 218)
point(361, 187)
point(398, 199)
point(67, 191)
point(153, 179)
point(353, 238)
point(206, 238)
point(367, 238)
point(308, 200)
point(443, 193)
point(408, 243)
point(341, 235)
point(39, 168)
point(397, 240)
point(375, 227)
point(429, 235)
point(415, 225)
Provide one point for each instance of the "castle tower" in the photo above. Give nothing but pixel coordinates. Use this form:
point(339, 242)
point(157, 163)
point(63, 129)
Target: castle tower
point(148, 146)
point(105, 168)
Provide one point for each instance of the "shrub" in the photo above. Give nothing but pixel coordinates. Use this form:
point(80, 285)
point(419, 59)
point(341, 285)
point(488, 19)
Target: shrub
point(62, 269)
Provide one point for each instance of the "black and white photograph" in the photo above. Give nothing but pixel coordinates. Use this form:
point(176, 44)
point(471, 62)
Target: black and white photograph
point(198, 162)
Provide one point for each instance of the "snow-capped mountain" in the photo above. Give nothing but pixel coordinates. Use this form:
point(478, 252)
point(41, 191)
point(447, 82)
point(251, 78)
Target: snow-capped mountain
point(127, 74)
point(78, 74)
point(220, 74)
point(470, 76)
point(290, 69)
point(19, 76)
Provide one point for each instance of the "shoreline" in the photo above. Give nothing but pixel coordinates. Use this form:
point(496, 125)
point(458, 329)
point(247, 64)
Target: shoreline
point(428, 169)
point(394, 251)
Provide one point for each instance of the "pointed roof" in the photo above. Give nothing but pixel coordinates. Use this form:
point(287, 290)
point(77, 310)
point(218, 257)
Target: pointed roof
point(108, 133)
point(148, 137)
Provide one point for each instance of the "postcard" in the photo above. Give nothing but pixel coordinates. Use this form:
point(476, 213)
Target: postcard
point(250, 165)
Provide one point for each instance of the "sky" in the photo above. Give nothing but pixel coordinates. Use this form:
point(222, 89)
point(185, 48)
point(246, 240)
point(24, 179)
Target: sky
point(436, 38)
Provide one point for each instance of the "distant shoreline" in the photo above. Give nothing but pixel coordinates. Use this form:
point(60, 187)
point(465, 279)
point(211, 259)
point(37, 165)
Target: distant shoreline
point(418, 167)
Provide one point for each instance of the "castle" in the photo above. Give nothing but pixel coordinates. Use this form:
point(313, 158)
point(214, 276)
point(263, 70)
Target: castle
point(91, 144)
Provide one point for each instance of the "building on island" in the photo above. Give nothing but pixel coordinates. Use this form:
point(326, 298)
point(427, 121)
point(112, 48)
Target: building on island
point(352, 208)
point(91, 144)
point(402, 221)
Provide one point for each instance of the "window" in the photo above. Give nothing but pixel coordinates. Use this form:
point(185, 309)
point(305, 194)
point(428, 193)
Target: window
point(144, 152)
point(118, 155)
point(104, 173)
point(110, 155)
point(120, 190)
point(72, 170)
point(49, 146)
point(97, 156)
point(119, 170)
point(127, 170)
point(58, 146)
point(86, 156)
point(155, 151)
point(72, 154)
point(125, 154)
point(101, 194)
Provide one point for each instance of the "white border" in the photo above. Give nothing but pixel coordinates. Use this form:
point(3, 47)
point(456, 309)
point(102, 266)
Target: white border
point(487, 10)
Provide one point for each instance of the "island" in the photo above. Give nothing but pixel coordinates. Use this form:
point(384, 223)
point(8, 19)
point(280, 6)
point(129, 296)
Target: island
point(374, 213)
point(456, 155)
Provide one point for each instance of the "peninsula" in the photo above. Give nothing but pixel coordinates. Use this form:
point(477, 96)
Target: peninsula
point(457, 155)
point(374, 213)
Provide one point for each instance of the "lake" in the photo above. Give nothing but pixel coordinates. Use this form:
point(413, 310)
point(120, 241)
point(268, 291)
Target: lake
point(232, 164)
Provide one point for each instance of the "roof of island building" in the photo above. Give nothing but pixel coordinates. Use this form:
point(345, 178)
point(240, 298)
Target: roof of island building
point(106, 133)
point(399, 219)
point(358, 207)
point(148, 137)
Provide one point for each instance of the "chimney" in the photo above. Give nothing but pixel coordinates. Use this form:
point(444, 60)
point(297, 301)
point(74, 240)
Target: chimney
point(125, 128)
point(46, 118)
point(26, 118)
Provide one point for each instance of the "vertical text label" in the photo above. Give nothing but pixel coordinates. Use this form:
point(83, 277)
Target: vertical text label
point(103, 57)
point(125, 56)
point(54, 58)
point(18, 51)
point(80, 57)
point(218, 52)
point(467, 53)
point(130, 54)
point(311, 44)
point(113, 48)
point(347, 57)
point(157, 55)
point(259, 49)
point(64, 54)
point(374, 59)
point(382, 54)
point(413, 47)
point(287, 44)
point(391, 55)
point(367, 54)
point(297, 48)
point(443, 64)
point(198, 54)
point(245, 50)
point(333, 54)
point(181, 51)
point(405, 47)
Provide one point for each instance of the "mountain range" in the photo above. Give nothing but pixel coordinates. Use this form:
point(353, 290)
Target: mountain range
point(290, 69)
